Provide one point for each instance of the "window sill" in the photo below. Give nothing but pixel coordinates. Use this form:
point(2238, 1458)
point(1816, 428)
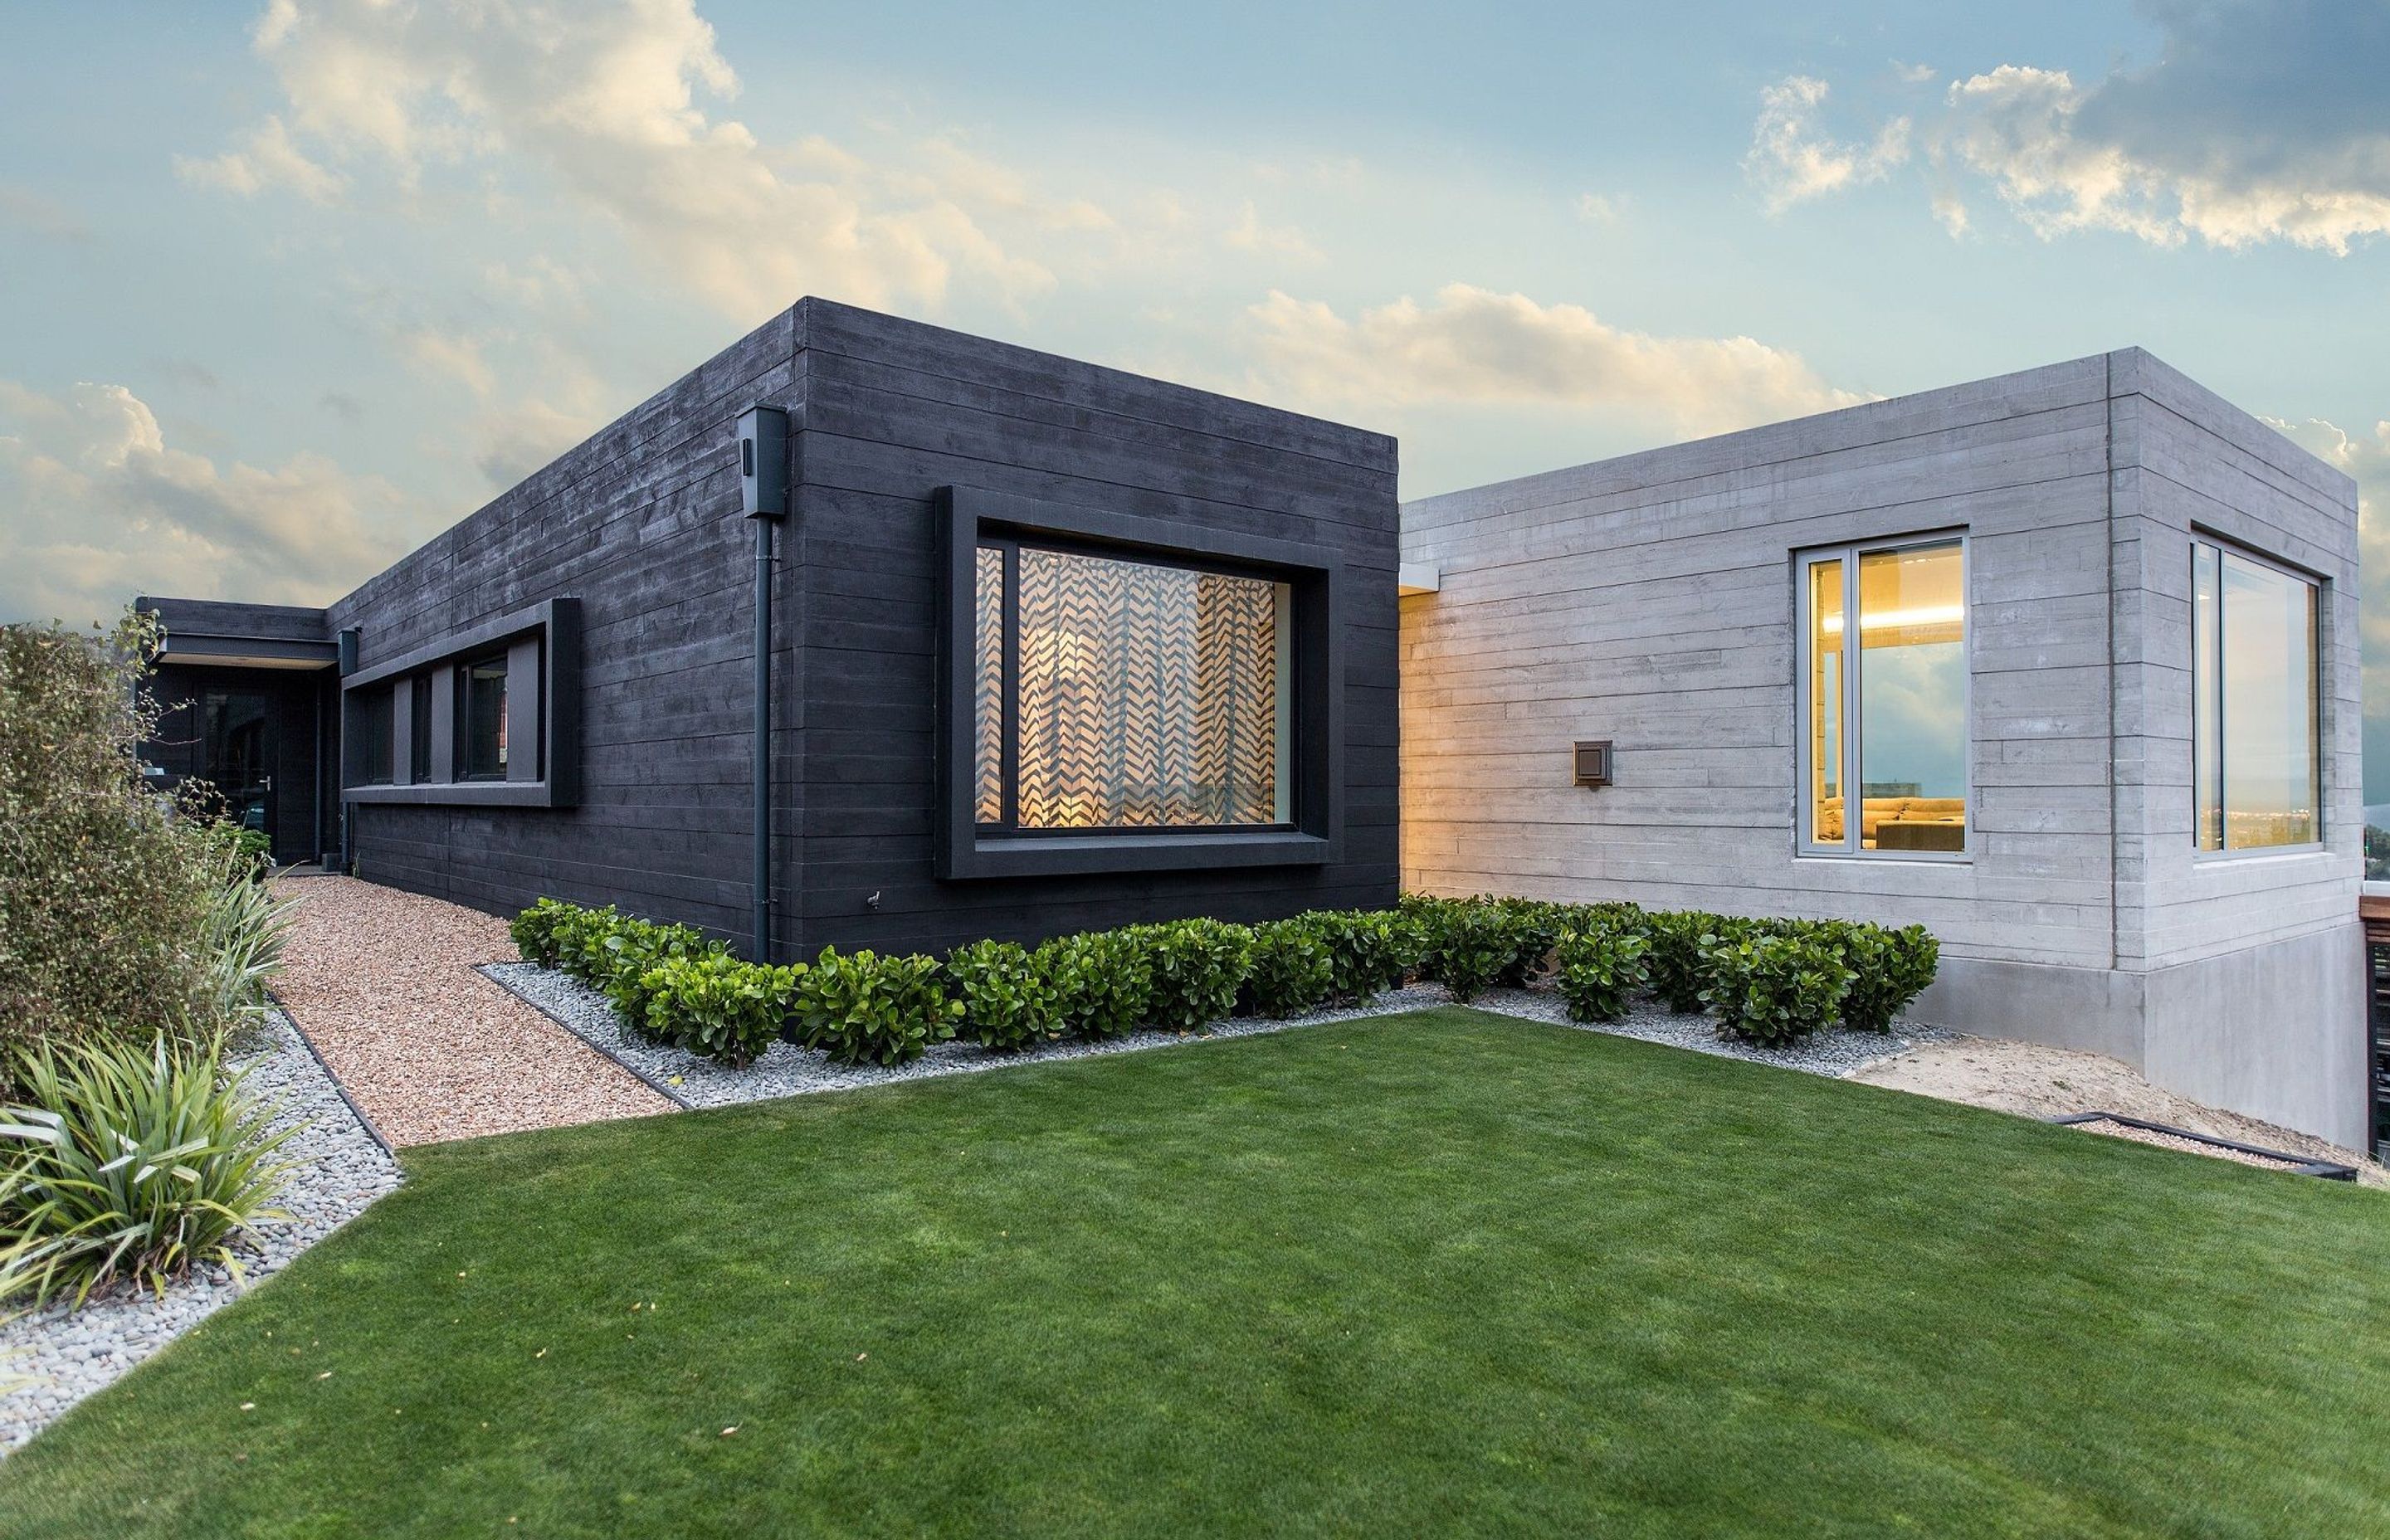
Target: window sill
point(461, 794)
point(1079, 853)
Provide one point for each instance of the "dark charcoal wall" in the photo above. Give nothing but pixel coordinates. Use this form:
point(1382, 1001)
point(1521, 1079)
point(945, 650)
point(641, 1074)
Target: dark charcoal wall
point(642, 525)
point(895, 410)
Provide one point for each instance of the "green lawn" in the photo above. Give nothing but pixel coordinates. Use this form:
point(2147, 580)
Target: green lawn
point(1430, 1274)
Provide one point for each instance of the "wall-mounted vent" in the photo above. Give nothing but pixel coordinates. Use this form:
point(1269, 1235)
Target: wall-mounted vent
point(1592, 762)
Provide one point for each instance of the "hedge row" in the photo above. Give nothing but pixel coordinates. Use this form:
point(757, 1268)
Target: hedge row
point(669, 984)
point(1766, 981)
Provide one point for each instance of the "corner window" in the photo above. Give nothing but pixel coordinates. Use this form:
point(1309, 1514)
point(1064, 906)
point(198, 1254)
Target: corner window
point(482, 718)
point(1884, 699)
point(1113, 694)
point(2257, 754)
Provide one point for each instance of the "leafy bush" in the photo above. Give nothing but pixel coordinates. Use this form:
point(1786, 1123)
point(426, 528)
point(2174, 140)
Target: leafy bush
point(1889, 969)
point(1774, 990)
point(717, 1006)
point(1675, 967)
point(1597, 967)
point(1195, 967)
point(126, 1162)
point(864, 1008)
point(1101, 979)
point(1534, 929)
point(1292, 971)
point(106, 886)
point(1008, 1002)
point(1472, 944)
point(540, 931)
point(1368, 949)
point(580, 937)
point(637, 948)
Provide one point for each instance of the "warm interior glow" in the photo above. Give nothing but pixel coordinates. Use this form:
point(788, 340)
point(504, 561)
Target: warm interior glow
point(1878, 620)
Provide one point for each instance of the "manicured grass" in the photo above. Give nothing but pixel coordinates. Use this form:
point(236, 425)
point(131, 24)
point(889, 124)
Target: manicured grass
point(1430, 1274)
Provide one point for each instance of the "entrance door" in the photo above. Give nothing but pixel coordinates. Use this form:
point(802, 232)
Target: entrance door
point(237, 755)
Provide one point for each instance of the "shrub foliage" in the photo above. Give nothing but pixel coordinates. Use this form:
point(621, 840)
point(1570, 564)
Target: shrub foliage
point(1008, 1003)
point(861, 1007)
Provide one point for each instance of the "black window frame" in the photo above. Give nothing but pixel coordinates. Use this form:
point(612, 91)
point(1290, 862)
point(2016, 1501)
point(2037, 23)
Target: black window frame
point(377, 738)
point(543, 644)
point(467, 771)
point(1009, 827)
point(418, 717)
point(971, 517)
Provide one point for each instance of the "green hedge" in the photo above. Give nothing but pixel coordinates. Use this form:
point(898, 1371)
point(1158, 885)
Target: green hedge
point(1769, 981)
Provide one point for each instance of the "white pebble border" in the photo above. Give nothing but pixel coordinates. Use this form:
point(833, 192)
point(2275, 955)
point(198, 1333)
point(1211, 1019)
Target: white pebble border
point(786, 1069)
point(50, 1360)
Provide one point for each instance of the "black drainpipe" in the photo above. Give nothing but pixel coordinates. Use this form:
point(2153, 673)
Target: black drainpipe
point(764, 498)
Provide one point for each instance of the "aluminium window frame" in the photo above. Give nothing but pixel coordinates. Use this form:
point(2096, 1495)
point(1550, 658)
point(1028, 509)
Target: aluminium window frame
point(965, 850)
point(1853, 756)
point(2321, 588)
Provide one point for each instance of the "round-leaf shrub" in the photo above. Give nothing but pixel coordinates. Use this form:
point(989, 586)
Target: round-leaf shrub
point(1596, 967)
point(717, 1006)
point(1292, 972)
point(1194, 969)
point(1007, 1003)
point(861, 1007)
point(1101, 980)
point(1472, 944)
point(1889, 969)
point(536, 931)
point(1368, 949)
point(1775, 990)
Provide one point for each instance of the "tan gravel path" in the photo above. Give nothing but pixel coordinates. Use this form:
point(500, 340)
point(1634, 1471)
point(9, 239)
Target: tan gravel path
point(382, 983)
point(2048, 1083)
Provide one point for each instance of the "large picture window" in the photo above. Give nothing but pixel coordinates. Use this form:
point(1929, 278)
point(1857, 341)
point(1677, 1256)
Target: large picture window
point(2257, 764)
point(1884, 665)
point(1116, 694)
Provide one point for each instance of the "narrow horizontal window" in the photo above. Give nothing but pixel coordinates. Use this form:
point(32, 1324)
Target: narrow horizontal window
point(1883, 682)
point(2256, 749)
point(1121, 694)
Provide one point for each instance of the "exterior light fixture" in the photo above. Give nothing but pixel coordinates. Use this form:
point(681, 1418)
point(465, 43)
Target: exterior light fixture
point(1592, 762)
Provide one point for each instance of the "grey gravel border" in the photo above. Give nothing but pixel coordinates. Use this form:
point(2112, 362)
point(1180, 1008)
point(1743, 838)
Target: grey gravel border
point(786, 1069)
point(339, 1168)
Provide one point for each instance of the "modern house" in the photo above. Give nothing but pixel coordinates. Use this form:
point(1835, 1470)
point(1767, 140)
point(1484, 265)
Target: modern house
point(1051, 646)
point(2061, 664)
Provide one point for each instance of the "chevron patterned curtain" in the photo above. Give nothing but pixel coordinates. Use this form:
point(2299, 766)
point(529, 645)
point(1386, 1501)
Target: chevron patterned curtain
point(1150, 697)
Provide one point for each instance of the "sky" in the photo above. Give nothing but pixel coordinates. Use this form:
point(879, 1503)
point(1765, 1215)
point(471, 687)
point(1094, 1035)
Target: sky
point(285, 288)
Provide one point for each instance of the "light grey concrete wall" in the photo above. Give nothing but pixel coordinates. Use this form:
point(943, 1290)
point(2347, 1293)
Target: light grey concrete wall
point(1650, 600)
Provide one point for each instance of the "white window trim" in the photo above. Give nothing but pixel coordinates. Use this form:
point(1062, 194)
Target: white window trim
point(1854, 770)
point(2320, 845)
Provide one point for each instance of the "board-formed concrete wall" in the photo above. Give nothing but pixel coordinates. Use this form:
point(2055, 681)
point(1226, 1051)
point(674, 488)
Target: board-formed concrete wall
point(1650, 600)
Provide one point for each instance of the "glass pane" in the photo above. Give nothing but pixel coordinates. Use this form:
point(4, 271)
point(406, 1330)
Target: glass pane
point(1826, 738)
point(988, 754)
point(2207, 703)
point(1912, 699)
point(484, 684)
point(1148, 696)
point(2269, 708)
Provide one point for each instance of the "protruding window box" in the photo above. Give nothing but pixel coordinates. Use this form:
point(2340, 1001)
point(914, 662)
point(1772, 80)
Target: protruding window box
point(1123, 694)
point(488, 717)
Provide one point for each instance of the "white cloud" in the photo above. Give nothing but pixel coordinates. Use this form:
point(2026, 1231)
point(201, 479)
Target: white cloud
point(1792, 159)
point(23, 209)
point(449, 356)
point(1472, 345)
point(1595, 209)
point(2262, 120)
point(1249, 234)
point(608, 103)
point(100, 507)
point(1913, 75)
point(267, 159)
